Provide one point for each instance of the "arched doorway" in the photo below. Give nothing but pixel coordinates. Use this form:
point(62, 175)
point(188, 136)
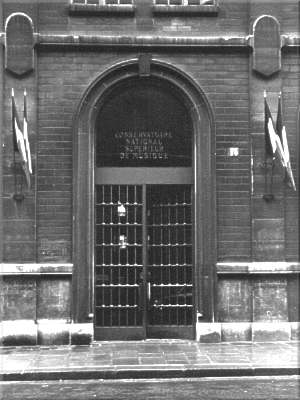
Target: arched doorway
point(143, 213)
point(144, 145)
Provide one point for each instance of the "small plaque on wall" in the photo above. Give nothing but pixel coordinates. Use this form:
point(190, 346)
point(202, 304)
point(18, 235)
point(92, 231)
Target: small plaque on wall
point(18, 298)
point(54, 250)
point(19, 43)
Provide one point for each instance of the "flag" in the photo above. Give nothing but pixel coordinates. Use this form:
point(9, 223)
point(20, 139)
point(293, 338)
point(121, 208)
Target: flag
point(270, 134)
point(281, 132)
point(18, 138)
point(25, 134)
point(273, 142)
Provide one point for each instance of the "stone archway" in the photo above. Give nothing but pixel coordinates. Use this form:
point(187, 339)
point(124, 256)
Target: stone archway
point(203, 178)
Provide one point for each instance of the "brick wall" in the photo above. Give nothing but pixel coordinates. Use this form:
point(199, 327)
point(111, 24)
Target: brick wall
point(39, 229)
point(224, 77)
point(232, 19)
point(291, 103)
point(62, 79)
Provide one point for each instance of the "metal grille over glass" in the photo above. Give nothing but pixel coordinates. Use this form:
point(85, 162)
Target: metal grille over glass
point(170, 255)
point(119, 256)
point(143, 258)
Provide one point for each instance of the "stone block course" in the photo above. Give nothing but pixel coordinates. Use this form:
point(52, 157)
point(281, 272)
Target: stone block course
point(267, 331)
point(53, 299)
point(18, 333)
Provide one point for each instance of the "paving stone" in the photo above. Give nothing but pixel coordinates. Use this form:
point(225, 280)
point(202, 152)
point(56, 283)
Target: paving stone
point(114, 357)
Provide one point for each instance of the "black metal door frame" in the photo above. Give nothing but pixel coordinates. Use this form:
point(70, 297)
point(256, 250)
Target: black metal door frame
point(144, 330)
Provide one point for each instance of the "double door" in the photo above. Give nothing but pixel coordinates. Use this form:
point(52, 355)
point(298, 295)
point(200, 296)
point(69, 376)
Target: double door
point(143, 279)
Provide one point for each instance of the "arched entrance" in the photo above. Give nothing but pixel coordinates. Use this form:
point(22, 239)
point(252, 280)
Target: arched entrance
point(143, 148)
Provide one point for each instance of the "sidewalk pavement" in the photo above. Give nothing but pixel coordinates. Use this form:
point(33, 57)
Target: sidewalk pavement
point(149, 359)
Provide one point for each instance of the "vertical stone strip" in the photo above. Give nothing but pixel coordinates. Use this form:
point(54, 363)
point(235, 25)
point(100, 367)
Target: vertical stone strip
point(1, 143)
point(19, 236)
point(267, 216)
point(268, 235)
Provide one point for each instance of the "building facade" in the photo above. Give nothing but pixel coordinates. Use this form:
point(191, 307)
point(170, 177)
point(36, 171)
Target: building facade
point(152, 209)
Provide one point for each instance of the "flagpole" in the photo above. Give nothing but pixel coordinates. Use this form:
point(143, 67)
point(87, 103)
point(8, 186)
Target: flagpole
point(272, 171)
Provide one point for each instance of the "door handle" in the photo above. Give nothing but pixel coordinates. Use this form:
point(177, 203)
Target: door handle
point(149, 291)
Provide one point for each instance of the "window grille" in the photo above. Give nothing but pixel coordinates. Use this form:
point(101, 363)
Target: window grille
point(102, 2)
point(156, 2)
point(185, 2)
point(163, 7)
point(123, 268)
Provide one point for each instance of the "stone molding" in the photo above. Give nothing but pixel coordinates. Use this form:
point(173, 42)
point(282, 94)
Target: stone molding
point(41, 40)
point(83, 130)
point(35, 269)
point(264, 267)
point(141, 40)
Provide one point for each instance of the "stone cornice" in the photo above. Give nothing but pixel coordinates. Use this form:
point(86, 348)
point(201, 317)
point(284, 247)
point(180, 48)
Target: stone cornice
point(290, 40)
point(141, 41)
point(151, 41)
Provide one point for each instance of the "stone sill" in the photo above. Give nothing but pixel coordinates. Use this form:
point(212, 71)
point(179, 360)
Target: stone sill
point(269, 267)
point(94, 9)
point(11, 269)
point(206, 10)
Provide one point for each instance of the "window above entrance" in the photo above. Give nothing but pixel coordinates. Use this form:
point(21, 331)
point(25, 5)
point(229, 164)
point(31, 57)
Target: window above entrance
point(167, 2)
point(186, 2)
point(101, 2)
point(143, 124)
point(206, 7)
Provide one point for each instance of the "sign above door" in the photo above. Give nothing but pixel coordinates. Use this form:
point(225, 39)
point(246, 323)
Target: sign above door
point(143, 125)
